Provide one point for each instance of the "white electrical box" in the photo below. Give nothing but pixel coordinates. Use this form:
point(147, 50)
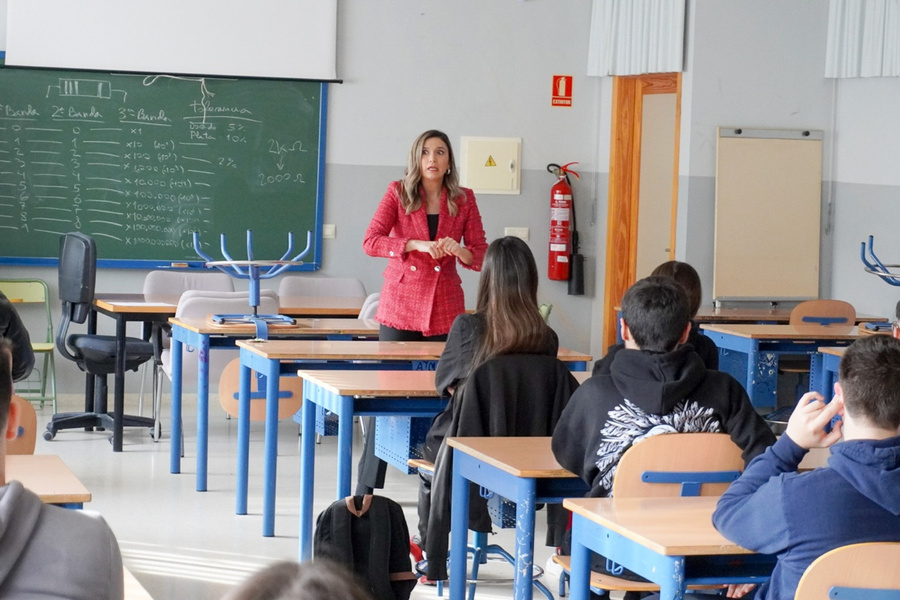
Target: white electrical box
point(491, 165)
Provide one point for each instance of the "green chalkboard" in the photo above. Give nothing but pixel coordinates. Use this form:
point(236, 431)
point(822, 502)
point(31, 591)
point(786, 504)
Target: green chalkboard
point(139, 162)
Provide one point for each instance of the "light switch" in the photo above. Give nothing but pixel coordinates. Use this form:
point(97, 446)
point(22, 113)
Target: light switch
point(519, 232)
point(329, 231)
point(491, 165)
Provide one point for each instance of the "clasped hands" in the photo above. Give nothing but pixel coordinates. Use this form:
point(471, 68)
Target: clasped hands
point(446, 246)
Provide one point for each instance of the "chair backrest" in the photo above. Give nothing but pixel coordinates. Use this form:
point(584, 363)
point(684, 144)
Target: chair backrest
point(77, 275)
point(24, 442)
point(868, 568)
point(307, 285)
point(30, 291)
point(370, 306)
point(175, 283)
point(833, 316)
point(678, 464)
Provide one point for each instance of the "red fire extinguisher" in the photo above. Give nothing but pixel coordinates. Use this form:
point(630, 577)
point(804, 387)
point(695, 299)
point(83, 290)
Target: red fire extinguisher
point(560, 223)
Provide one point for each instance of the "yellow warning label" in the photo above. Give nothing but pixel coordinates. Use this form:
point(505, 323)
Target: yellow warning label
point(490, 162)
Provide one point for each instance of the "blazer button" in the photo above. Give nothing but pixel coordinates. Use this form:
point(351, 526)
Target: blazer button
point(412, 268)
point(391, 253)
point(437, 268)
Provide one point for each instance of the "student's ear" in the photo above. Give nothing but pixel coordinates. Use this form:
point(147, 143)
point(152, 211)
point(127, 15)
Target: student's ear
point(626, 335)
point(12, 421)
point(839, 396)
point(685, 335)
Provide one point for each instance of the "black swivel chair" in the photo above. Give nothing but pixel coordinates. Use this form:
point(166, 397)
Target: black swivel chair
point(94, 354)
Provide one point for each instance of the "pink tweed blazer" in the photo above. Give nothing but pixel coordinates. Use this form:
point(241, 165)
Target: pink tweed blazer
point(419, 292)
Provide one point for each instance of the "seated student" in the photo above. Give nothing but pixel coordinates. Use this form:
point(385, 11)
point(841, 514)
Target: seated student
point(655, 385)
point(799, 516)
point(506, 320)
point(287, 580)
point(12, 328)
point(47, 551)
point(688, 278)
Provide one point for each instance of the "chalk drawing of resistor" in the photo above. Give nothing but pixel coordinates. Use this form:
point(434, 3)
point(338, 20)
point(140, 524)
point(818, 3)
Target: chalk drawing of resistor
point(84, 88)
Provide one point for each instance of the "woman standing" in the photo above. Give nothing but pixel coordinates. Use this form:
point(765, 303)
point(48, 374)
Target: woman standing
point(424, 225)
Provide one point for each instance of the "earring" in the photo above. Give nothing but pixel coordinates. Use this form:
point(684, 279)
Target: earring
point(448, 171)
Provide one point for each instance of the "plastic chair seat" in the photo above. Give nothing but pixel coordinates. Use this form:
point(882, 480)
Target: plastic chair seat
point(99, 352)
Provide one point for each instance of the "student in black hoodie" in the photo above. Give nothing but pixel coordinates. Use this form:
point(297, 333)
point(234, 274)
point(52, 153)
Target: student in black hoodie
point(656, 384)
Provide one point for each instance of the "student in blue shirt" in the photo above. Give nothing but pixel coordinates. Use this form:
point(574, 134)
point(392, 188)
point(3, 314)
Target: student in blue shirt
point(800, 516)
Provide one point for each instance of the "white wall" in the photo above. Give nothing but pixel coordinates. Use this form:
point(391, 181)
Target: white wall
point(468, 67)
point(750, 63)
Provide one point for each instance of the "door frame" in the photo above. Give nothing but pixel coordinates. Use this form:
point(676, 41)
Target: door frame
point(624, 186)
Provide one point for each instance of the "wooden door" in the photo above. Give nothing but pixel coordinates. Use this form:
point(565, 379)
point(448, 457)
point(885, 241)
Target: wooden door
point(623, 217)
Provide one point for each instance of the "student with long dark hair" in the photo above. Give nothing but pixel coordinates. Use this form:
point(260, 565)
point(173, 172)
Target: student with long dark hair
point(507, 320)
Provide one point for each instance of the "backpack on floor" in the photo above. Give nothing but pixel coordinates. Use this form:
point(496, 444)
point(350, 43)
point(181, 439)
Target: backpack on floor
point(369, 536)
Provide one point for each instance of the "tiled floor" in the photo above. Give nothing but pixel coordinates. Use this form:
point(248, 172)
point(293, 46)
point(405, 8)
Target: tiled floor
point(183, 544)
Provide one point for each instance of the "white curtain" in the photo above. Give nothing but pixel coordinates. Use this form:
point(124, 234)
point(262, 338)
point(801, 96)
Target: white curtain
point(863, 38)
point(632, 37)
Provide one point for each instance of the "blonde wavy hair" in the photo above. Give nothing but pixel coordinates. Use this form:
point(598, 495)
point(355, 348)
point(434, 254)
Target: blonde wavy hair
point(410, 196)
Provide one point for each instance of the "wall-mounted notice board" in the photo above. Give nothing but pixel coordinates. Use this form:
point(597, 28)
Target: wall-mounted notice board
point(768, 206)
point(139, 162)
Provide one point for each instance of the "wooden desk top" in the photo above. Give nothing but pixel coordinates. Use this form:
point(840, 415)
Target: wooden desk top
point(519, 456)
point(835, 350)
point(669, 526)
point(777, 332)
point(363, 350)
point(331, 326)
point(711, 314)
point(374, 383)
point(47, 476)
point(343, 350)
point(161, 304)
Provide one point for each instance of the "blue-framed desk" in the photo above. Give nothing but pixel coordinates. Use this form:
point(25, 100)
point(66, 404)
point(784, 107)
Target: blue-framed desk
point(670, 541)
point(348, 394)
point(47, 476)
point(158, 308)
point(824, 364)
point(750, 353)
point(521, 469)
point(274, 358)
point(823, 369)
point(204, 336)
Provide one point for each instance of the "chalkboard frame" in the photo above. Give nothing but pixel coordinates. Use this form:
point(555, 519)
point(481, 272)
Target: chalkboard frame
point(237, 248)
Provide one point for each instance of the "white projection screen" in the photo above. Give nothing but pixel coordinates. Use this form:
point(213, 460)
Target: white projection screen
point(282, 39)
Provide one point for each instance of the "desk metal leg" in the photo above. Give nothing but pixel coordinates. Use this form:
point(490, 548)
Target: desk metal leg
point(307, 470)
point(271, 448)
point(175, 450)
point(459, 532)
point(243, 440)
point(523, 586)
point(119, 394)
point(580, 577)
point(345, 446)
point(202, 412)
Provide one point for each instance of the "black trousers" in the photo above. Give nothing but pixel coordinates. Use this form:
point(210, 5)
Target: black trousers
point(371, 469)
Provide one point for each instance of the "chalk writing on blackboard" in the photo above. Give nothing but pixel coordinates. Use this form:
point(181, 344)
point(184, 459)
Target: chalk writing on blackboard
point(141, 161)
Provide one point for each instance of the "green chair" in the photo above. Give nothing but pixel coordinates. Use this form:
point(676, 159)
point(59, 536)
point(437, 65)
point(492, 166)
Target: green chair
point(40, 386)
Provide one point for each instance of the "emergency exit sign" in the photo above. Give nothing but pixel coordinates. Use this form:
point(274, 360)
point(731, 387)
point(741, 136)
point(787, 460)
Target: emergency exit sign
point(562, 91)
